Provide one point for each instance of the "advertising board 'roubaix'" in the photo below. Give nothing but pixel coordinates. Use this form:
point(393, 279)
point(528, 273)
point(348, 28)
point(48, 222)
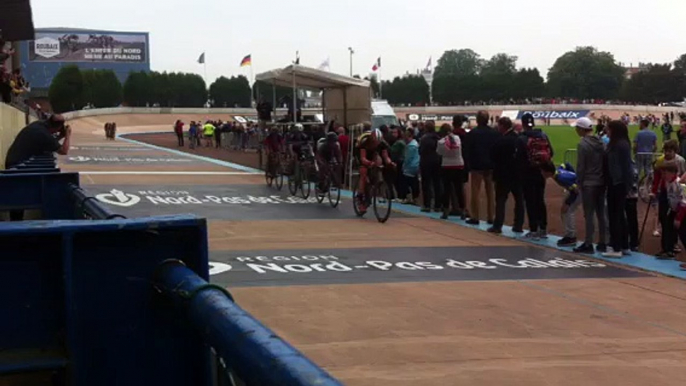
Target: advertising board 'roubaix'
point(555, 114)
point(370, 265)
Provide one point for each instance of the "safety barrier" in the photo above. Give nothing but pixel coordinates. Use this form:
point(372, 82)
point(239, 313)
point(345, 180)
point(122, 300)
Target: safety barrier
point(112, 301)
point(571, 156)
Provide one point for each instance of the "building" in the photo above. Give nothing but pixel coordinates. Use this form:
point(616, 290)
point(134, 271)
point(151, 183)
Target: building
point(53, 48)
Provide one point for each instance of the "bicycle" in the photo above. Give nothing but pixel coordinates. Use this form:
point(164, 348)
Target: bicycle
point(300, 178)
point(274, 171)
point(331, 184)
point(377, 194)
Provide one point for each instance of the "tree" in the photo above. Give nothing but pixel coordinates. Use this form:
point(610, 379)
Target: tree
point(497, 75)
point(409, 89)
point(233, 92)
point(527, 83)
point(461, 63)
point(655, 84)
point(138, 89)
point(456, 77)
point(101, 88)
point(585, 73)
point(66, 90)
point(680, 64)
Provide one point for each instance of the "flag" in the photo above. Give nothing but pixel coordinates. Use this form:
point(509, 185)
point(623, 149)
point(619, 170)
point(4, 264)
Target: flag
point(428, 65)
point(247, 61)
point(201, 59)
point(297, 57)
point(377, 65)
point(326, 65)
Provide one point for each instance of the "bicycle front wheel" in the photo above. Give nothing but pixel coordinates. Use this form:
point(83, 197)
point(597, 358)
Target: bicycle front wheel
point(278, 178)
point(334, 191)
point(305, 186)
point(381, 201)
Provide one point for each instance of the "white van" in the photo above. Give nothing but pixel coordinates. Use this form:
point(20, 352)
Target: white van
point(383, 114)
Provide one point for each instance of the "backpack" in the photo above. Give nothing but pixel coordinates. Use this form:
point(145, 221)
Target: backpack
point(538, 151)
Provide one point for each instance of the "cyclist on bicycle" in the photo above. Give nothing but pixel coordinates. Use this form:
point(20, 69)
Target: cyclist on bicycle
point(328, 151)
point(298, 144)
point(373, 151)
point(273, 145)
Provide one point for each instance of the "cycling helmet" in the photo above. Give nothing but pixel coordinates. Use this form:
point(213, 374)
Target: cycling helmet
point(298, 127)
point(332, 137)
point(376, 133)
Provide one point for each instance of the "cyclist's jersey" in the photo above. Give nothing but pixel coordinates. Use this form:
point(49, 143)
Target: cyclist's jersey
point(365, 142)
point(300, 142)
point(328, 151)
point(273, 142)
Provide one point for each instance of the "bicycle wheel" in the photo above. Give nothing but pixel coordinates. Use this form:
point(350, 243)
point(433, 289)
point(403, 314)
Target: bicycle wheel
point(305, 186)
point(319, 193)
point(356, 202)
point(381, 201)
point(334, 190)
point(279, 177)
point(293, 183)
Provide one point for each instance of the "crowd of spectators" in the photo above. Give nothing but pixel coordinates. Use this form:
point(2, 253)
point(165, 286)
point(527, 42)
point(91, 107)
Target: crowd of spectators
point(218, 134)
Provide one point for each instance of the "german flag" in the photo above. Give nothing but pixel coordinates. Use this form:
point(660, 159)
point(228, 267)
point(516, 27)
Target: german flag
point(247, 61)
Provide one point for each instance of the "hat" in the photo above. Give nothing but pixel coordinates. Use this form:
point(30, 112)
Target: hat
point(583, 123)
point(528, 120)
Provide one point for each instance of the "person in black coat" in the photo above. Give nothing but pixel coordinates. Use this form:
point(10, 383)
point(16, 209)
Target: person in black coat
point(430, 167)
point(619, 177)
point(477, 151)
point(509, 158)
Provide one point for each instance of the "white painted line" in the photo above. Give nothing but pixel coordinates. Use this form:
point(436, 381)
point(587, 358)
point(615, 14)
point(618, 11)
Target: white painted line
point(183, 173)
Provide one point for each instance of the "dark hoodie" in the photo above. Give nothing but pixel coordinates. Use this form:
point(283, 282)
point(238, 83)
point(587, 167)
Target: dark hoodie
point(589, 166)
point(479, 142)
point(427, 150)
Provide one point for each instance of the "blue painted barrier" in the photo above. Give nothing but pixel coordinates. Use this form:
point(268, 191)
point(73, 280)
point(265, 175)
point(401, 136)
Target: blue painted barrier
point(99, 303)
point(247, 347)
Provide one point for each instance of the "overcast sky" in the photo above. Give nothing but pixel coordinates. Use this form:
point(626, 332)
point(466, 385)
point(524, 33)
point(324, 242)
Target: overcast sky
point(404, 33)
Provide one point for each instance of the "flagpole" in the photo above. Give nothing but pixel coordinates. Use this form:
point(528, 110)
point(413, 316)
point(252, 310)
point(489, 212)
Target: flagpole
point(379, 80)
point(252, 96)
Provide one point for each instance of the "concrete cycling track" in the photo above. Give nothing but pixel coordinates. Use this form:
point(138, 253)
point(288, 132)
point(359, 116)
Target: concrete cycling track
point(414, 301)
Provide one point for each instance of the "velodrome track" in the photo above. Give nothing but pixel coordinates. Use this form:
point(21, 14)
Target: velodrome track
point(414, 301)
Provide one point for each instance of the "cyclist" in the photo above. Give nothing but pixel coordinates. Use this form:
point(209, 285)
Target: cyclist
point(328, 150)
point(274, 145)
point(373, 151)
point(298, 146)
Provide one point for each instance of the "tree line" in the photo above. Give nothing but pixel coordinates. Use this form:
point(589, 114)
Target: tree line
point(461, 76)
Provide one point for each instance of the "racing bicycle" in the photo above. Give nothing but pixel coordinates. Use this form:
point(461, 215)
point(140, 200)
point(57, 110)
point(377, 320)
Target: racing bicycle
point(377, 195)
point(300, 180)
point(273, 173)
point(331, 185)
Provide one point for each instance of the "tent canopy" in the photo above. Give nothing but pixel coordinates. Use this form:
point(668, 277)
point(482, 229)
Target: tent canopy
point(309, 78)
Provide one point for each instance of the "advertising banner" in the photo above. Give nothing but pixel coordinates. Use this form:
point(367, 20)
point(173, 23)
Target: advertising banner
point(88, 47)
point(437, 117)
point(555, 114)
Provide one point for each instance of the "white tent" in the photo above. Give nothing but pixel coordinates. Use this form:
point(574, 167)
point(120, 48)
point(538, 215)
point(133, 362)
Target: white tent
point(345, 99)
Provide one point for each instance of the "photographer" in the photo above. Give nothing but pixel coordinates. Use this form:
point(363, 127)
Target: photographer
point(38, 138)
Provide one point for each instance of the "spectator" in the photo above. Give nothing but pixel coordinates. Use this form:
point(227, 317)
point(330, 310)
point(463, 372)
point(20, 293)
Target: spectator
point(539, 151)
point(410, 170)
point(264, 112)
point(619, 181)
point(681, 136)
point(672, 192)
point(36, 139)
point(591, 179)
point(430, 164)
point(218, 134)
point(667, 131)
point(631, 210)
point(397, 154)
point(208, 133)
point(509, 159)
point(178, 129)
point(459, 121)
point(452, 168)
point(478, 146)
point(192, 135)
point(565, 177)
point(659, 190)
point(645, 144)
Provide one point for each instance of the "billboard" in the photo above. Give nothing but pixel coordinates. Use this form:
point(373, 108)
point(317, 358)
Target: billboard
point(93, 47)
point(554, 114)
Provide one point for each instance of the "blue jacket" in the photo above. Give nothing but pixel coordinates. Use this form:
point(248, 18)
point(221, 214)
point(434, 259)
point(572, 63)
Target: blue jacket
point(566, 178)
point(411, 164)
